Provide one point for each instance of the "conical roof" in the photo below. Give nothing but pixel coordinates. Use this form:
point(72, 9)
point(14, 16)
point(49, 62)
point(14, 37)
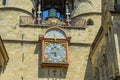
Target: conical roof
point(86, 7)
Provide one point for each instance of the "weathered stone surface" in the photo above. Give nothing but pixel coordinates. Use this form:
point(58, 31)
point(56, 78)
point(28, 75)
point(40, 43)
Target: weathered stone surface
point(86, 6)
point(24, 57)
point(19, 4)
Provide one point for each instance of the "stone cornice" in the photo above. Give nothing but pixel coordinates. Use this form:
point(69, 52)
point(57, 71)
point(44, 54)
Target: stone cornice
point(15, 8)
point(34, 42)
point(41, 26)
point(85, 14)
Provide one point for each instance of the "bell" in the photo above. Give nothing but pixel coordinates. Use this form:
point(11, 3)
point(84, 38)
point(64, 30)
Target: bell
point(52, 12)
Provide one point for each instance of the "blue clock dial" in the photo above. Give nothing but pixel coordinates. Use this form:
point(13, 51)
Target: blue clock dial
point(55, 53)
point(55, 33)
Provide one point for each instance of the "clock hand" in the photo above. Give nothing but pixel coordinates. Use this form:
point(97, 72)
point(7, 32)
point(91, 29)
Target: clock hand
point(55, 50)
point(55, 37)
point(54, 54)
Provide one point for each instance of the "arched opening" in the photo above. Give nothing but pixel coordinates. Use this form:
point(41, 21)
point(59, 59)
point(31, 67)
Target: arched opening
point(53, 8)
point(90, 22)
point(55, 32)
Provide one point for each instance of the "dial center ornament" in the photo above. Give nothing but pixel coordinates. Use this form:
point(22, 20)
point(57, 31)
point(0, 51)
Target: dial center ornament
point(55, 53)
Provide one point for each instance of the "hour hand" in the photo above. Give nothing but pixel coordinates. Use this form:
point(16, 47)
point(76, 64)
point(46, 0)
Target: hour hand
point(55, 54)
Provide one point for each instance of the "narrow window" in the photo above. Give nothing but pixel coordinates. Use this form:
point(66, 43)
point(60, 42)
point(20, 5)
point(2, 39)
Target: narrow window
point(90, 22)
point(4, 2)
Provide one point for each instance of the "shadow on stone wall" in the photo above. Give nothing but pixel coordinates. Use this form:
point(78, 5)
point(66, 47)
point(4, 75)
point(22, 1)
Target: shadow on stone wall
point(37, 49)
point(0, 70)
point(88, 72)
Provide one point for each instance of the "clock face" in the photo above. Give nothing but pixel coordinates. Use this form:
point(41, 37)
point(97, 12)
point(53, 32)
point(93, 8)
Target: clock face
point(55, 33)
point(55, 53)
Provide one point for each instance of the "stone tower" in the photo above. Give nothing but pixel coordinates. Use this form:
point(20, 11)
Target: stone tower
point(21, 27)
point(104, 56)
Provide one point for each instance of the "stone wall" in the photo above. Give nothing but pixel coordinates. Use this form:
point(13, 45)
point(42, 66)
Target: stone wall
point(20, 4)
point(23, 48)
point(105, 60)
point(25, 62)
point(115, 21)
point(82, 7)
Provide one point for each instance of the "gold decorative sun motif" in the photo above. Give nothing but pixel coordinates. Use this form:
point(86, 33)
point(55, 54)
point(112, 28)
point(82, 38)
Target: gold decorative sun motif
point(53, 21)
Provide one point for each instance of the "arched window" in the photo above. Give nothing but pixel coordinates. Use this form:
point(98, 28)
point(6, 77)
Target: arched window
point(53, 8)
point(90, 22)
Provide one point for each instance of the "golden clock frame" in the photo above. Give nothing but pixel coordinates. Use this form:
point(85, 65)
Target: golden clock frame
point(43, 40)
